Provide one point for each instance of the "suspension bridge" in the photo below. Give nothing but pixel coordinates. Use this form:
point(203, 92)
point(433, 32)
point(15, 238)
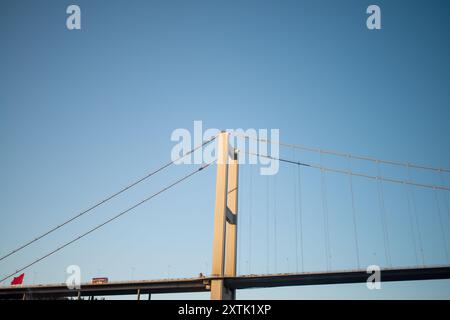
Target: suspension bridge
point(413, 243)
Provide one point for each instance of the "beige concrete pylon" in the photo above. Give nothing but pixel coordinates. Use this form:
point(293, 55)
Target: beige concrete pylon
point(231, 224)
point(225, 219)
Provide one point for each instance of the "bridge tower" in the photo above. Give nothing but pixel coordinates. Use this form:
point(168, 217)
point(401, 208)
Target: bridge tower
point(225, 219)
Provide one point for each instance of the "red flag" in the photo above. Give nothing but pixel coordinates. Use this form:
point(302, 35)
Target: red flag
point(18, 280)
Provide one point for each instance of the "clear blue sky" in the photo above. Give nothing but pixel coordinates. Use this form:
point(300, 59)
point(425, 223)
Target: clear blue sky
point(83, 113)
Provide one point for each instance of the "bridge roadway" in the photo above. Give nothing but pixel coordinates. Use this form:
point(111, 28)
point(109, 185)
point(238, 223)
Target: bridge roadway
point(202, 284)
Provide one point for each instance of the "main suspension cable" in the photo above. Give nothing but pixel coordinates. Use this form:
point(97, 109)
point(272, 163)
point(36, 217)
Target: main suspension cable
point(131, 185)
point(356, 174)
point(107, 221)
point(345, 155)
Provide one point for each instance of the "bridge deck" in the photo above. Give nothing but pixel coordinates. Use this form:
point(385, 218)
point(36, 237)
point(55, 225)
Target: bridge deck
point(202, 284)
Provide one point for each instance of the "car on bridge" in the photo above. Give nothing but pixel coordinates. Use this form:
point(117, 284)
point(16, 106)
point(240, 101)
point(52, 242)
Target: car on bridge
point(99, 280)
